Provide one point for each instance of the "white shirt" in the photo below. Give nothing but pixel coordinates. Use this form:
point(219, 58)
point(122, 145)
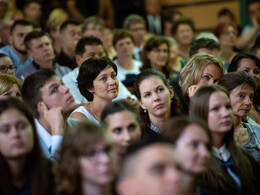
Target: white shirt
point(221, 153)
point(70, 81)
point(121, 72)
point(49, 143)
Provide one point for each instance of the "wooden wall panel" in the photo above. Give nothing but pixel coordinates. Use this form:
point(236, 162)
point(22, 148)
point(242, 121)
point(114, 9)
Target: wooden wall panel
point(204, 13)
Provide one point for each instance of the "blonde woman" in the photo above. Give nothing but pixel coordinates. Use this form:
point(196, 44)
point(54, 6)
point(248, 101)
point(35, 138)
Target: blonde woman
point(202, 69)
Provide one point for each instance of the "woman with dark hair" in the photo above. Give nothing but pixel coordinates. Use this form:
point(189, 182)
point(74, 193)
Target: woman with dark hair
point(122, 123)
point(23, 168)
point(97, 82)
point(192, 142)
point(227, 36)
point(251, 64)
point(156, 99)
point(156, 55)
point(241, 87)
point(85, 162)
point(232, 170)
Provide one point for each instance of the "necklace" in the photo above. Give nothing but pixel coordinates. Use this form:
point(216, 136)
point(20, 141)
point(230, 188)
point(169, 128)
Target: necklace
point(94, 113)
point(241, 135)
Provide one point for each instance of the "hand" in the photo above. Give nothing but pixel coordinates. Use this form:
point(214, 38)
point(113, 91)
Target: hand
point(55, 119)
point(192, 89)
point(255, 23)
point(133, 101)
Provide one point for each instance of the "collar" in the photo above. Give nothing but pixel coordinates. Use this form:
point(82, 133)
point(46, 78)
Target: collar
point(38, 67)
point(43, 134)
point(222, 153)
point(155, 128)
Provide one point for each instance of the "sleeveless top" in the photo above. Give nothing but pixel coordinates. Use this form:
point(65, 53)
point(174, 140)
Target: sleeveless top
point(84, 111)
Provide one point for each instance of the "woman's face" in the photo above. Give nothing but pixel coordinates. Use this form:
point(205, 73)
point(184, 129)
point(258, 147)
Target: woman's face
point(96, 164)
point(105, 85)
point(158, 56)
point(123, 129)
point(220, 113)
point(210, 75)
point(155, 97)
point(248, 65)
point(192, 149)
point(241, 99)
point(228, 37)
point(16, 134)
point(14, 91)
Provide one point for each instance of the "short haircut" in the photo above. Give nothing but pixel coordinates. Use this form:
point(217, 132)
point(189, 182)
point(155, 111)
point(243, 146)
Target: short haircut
point(64, 25)
point(121, 34)
point(251, 1)
point(133, 19)
point(192, 71)
point(203, 43)
point(133, 151)
point(226, 12)
point(221, 28)
point(92, 20)
point(234, 79)
point(119, 106)
point(31, 93)
point(88, 71)
point(87, 40)
point(21, 23)
point(168, 14)
point(34, 35)
point(234, 64)
point(182, 20)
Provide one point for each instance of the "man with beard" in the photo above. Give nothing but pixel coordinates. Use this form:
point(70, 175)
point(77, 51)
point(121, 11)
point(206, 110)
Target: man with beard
point(17, 50)
point(39, 48)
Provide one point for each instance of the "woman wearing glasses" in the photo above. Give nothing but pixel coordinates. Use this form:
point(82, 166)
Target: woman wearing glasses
point(6, 65)
point(156, 55)
point(85, 164)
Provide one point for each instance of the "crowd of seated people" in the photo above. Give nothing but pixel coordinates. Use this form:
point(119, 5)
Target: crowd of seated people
point(147, 107)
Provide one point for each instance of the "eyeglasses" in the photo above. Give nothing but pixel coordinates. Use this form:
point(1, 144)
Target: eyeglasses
point(230, 33)
point(156, 50)
point(4, 68)
point(95, 155)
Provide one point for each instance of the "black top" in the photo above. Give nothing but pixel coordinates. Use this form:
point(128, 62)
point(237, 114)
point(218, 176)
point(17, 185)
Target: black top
point(64, 60)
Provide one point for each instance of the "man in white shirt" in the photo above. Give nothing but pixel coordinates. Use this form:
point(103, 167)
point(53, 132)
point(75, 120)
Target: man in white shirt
point(87, 47)
point(51, 104)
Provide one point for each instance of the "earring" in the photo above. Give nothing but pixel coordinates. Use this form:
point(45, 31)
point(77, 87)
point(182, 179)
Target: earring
point(145, 110)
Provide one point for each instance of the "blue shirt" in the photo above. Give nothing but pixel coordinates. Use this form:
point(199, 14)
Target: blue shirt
point(17, 61)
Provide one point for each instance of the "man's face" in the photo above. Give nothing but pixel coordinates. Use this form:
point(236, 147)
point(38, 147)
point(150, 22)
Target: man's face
point(90, 51)
point(41, 50)
point(70, 36)
point(17, 38)
point(152, 7)
point(95, 30)
point(254, 11)
point(138, 32)
point(55, 94)
point(184, 34)
point(155, 173)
